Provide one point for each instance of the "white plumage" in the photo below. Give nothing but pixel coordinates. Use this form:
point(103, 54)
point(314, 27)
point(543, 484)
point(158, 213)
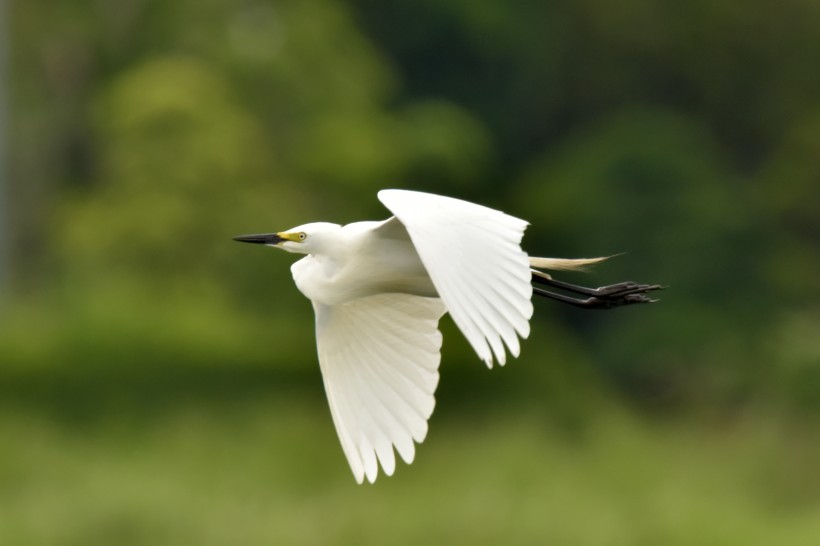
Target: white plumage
point(379, 289)
point(379, 357)
point(474, 258)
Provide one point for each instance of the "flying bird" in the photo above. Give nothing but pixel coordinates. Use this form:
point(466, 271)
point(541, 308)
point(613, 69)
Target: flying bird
point(378, 290)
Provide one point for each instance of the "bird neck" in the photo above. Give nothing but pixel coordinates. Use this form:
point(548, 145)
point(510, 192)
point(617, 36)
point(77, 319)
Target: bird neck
point(328, 246)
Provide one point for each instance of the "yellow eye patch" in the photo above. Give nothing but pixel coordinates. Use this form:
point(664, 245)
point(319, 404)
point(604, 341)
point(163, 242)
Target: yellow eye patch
point(296, 237)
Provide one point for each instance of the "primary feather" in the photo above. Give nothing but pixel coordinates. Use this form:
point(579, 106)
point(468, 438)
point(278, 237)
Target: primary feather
point(474, 258)
point(379, 357)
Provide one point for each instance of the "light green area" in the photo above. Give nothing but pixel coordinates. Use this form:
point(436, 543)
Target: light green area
point(271, 472)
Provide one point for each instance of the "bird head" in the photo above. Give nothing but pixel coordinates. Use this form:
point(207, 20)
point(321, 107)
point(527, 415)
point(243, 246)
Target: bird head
point(304, 239)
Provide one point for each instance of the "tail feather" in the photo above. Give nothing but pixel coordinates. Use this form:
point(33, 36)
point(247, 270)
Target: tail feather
point(565, 264)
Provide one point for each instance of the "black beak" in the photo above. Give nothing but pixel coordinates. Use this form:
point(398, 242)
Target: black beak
point(264, 239)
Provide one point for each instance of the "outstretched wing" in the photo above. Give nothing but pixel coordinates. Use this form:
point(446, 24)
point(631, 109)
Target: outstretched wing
point(474, 258)
point(379, 357)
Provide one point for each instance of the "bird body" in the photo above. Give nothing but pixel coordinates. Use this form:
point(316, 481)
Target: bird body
point(378, 291)
point(358, 260)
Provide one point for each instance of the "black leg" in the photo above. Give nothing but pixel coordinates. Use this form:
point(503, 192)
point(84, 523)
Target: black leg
point(604, 297)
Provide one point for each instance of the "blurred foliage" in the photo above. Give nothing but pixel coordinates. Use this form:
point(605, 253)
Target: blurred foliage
point(682, 135)
point(179, 481)
point(146, 133)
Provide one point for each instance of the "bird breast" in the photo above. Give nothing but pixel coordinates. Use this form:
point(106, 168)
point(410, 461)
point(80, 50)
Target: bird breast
point(380, 267)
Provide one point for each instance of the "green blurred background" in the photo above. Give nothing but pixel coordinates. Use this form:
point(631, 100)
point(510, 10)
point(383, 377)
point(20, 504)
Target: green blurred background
point(159, 384)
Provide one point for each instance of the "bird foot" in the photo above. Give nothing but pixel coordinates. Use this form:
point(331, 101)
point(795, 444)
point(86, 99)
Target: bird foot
point(604, 297)
point(620, 294)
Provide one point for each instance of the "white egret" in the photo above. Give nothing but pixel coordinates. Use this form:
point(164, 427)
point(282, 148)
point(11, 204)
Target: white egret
point(379, 289)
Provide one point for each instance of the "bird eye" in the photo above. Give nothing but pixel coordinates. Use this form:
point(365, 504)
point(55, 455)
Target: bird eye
point(302, 236)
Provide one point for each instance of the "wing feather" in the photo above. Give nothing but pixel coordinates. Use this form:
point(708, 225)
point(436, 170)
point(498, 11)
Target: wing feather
point(379, 357)
point(390, 349)
point(474, 258)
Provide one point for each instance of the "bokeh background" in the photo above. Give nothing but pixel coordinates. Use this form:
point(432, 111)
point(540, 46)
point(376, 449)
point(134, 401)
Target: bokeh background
point(158, 382)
